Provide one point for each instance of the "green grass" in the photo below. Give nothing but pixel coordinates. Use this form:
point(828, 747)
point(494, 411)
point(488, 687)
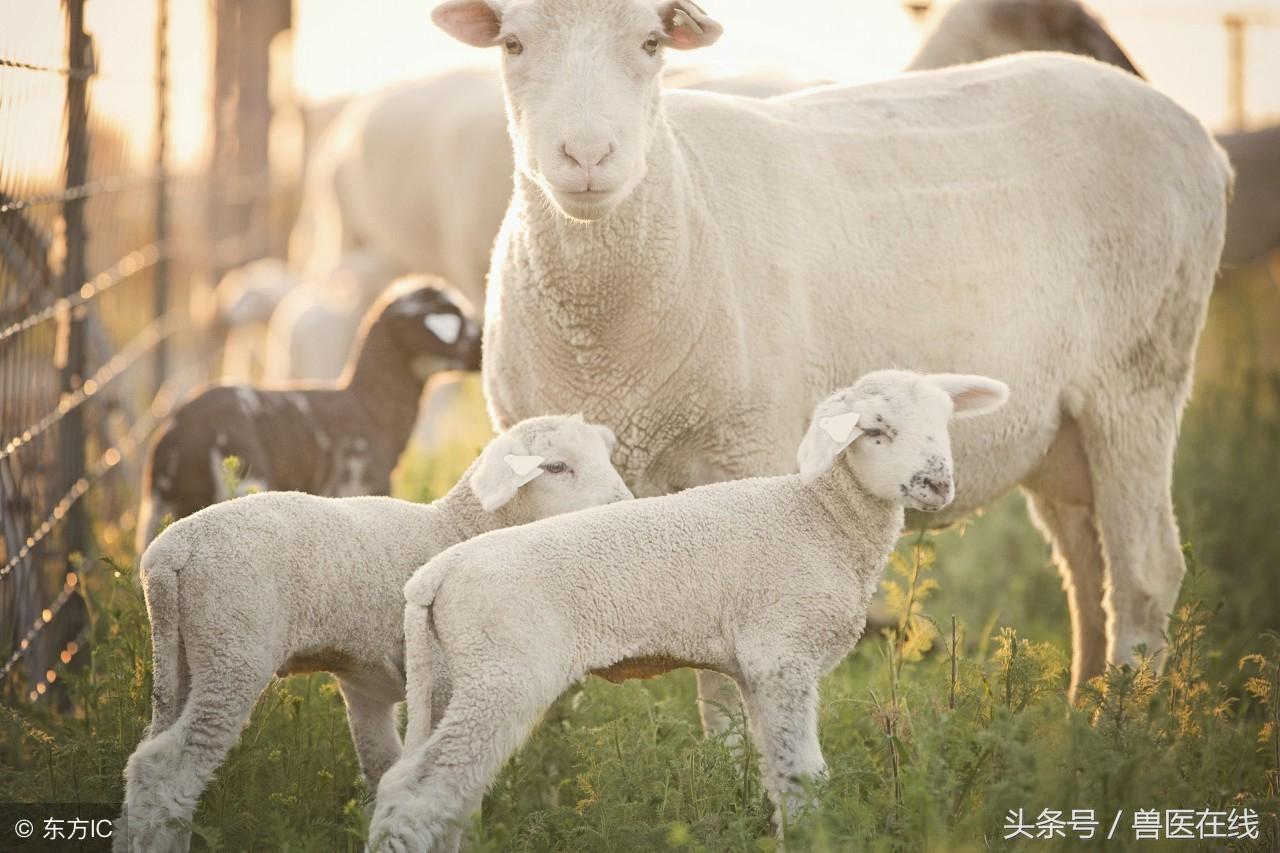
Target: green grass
point(931, 737)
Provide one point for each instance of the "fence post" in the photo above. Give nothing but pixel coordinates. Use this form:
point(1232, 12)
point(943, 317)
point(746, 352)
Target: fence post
point(161, 272)
point(72, 434)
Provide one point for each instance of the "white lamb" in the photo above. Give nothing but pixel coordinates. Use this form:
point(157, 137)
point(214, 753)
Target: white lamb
point(765, 580)
point(283, 582)
point(697, 270)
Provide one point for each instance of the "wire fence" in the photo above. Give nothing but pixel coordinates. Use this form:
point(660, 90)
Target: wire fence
point(105, 246)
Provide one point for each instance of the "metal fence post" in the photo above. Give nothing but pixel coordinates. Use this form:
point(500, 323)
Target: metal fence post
point(161, 273)
point(72, 432)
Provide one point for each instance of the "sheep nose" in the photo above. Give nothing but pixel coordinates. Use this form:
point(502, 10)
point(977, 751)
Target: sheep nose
point(588, 155)
point(940, 487)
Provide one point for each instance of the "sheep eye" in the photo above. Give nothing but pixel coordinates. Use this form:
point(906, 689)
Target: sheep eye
point(555, 467)
point(651, 45)
point(873, 433)
point(513, 46)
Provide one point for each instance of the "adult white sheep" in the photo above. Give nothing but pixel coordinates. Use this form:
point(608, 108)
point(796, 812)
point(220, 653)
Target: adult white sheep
point(283, 582)
point(765, 580)
point(696, 270)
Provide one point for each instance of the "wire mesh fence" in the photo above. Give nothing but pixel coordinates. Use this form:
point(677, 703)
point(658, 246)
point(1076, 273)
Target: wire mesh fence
point(105, 243)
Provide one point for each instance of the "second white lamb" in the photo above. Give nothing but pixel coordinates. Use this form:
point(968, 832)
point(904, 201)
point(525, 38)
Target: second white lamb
point(765, 580)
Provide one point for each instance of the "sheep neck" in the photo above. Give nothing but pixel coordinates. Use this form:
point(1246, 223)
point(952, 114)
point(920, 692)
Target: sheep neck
point(593, 280)
point(467, 518)
point(856, 513)
point(382, 379)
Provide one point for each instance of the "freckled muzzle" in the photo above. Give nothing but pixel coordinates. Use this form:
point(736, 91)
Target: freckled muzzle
point(932, 488)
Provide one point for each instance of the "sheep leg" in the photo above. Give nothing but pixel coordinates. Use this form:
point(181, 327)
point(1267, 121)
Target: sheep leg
point(166, 775)
point(424, 798)
point(373, 728)
point(782, 713)
point(718, 701)
point(1130, 441)
point(1078, 554)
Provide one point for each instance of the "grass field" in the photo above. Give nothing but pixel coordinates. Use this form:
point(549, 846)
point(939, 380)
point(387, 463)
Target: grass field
point(934, 731)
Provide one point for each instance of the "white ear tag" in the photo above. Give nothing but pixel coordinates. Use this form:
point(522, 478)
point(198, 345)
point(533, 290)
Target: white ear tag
point(841, 427)
point(522, 465)
point(446, 327)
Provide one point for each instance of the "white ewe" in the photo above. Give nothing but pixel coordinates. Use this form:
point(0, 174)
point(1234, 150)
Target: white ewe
point(283, 582)
point(765, 580)
point(696, 270)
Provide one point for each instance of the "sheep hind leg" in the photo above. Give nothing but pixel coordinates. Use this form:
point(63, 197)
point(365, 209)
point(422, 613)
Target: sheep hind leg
point(373, 729)
point(782, 714)
point(718, 702)
point(166, 775)
point(1130, 439)
point(424, 799)
point(1060, 497)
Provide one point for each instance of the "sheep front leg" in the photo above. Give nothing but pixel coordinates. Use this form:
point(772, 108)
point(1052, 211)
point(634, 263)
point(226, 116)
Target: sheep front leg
point(782, 714)
point(373, 728)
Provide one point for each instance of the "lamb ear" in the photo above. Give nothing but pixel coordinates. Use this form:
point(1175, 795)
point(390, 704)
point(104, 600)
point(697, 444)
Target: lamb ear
point(473, 22)
point(686, 26)
point(610, 440)
point(972, 395)
point(503, 468)
point(829, 434)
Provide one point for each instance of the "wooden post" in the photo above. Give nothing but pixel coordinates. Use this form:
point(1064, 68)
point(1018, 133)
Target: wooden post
point(161, 273)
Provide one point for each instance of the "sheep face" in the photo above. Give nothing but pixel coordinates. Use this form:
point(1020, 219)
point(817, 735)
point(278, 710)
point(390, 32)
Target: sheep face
point(546, 466)
point(582, 81)
point(890, 429)
point(433, 329)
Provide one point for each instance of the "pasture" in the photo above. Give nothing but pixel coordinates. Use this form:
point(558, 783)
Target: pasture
point(932, 737)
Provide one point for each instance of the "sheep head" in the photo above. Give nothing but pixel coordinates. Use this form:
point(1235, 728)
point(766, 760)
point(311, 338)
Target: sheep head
point(891, 429)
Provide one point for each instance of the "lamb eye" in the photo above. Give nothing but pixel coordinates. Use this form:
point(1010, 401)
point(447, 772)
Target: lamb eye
point(513, 46)
point(873, 433)
point(651, 45)
point(555, 467)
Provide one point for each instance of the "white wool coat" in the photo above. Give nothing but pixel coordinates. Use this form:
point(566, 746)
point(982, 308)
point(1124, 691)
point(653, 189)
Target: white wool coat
point(776, 249)
point(724, 577)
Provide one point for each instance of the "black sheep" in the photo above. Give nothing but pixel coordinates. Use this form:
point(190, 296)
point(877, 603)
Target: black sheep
point(338, 439)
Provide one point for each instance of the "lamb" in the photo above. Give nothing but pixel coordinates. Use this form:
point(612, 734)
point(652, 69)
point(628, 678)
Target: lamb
point(339, 439)
point(765, 580)
point(282, 582)
point(696, 270)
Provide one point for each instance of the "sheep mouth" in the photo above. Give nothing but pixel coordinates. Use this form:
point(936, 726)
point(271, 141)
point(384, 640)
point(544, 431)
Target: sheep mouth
point(585, 205)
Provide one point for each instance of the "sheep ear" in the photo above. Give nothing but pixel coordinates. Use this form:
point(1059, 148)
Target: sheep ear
point(972, 395)
point(503, 468)
point(473, 22)
point(686, 26)
point(610, 440)
point(828, 436)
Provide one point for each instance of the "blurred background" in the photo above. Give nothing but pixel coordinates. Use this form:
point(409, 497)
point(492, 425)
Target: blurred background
point(151, 149)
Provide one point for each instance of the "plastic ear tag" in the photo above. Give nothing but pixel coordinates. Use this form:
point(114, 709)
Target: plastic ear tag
point(444, 326)
point(681, 18)
point(522, 465)
point(841, 427)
